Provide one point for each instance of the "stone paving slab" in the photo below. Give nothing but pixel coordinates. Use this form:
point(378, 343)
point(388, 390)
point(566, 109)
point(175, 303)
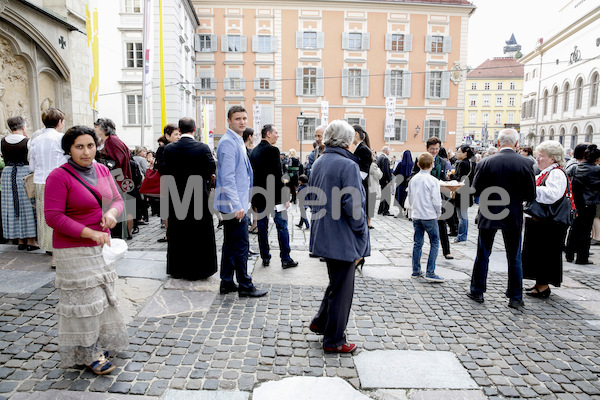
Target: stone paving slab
point(210, 284)
point(379, 272)
point(205, 395)
point(141, 268)
point(133, 294)
point(412, 369)
point(309, 272)
point(74, 395)
point(305, 387)
point(24, 260)
point(23, 281)
point(377, 258)
point(447, 395)
point(172, 302)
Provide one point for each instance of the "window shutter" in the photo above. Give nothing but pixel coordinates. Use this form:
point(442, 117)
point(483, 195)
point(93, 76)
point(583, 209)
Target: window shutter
point(299, 82)
point(427, 85)
point(447, 46)
point(317, 122)
point(403, 130)
point(344, 82)
point(406, 84)
point(388, 42)
point(387, 83)
point(226, 83)
point(257, 83)
point(320, 40)
point(428, 40)
point(426, 130)
point(273, 44)
point(345, 40)
point(266, 115)
point(197, 42)
point(299, 39)
point(443, 131)
point(364, 83)
point(366, 41)
point(224, 44)
point(242, 83)
point(320, 82)
point(272, 84)
point(243, 43)
point(213, 83)
point(213, 43)
point(363, 123)
point(445, 85)
point(408, 39)
point(255, 43)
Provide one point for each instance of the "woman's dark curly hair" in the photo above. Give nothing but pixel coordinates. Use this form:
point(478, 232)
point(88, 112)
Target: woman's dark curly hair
point(592, 153)
point(73, 133)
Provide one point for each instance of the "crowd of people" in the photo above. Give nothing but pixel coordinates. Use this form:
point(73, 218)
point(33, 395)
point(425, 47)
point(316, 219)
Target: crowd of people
point(90, 187)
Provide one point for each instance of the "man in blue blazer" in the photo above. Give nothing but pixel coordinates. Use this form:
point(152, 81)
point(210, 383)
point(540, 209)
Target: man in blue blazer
point(510, 178)
point(232, 199)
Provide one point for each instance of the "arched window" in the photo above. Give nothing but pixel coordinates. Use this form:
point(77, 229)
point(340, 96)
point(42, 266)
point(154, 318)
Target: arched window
point(589, 134)
point(594, 90)
point(555, 97)
point(551, 137)
point(561, 137)
point(542, 135)
point(566, 97)
point(578, 93)
point(574, 134)
point(545, 102)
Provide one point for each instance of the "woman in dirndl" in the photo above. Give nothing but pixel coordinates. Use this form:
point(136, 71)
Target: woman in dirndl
point(82, 203)
point(18, 211)
point(543, 241)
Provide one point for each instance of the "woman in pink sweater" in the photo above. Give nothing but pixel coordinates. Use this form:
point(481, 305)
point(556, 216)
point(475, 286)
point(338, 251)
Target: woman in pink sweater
point(81, 205)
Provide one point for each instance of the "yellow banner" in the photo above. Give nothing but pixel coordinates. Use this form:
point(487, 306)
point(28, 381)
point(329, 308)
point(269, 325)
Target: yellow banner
point(91, 22)
point(163, 102)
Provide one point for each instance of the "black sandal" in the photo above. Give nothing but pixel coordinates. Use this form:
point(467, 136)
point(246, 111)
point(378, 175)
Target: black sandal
point(102, 366)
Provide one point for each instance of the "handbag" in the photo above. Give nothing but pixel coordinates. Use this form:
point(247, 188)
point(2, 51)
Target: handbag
point(29, 186)
point(151, 184)
point(561, 212)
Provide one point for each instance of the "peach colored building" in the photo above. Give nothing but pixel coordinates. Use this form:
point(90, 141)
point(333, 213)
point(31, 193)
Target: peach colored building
point(291, 57)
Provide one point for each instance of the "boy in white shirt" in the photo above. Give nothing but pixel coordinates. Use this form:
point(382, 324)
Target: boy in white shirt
point(426, 203)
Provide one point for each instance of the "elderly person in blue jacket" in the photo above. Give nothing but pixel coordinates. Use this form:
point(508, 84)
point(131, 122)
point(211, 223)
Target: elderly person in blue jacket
point(339, 232)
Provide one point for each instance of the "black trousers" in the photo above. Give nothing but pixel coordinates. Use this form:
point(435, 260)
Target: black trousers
point(384, 204)
point(444, 236)
point(334, 312)
point(578, 243)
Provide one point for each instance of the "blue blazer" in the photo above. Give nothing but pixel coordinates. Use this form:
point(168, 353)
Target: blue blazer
point(345, 238)
point(234, 175)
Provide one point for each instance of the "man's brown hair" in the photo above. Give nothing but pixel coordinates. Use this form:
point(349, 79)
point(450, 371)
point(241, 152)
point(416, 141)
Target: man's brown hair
point(425, 161)
point(433, 141)
point(52, 116)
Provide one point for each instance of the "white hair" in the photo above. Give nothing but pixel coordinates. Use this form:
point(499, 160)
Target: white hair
point(321, 128)
point(292, 152)
point(508, 137)
point(385, 149)
point(339, 133)
point(553, 149)
point(492, 150)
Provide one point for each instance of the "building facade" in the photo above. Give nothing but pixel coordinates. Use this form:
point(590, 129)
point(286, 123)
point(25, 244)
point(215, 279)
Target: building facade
point(40, 47)
point(290, 58)
point(560, 91)
point(122, 61)
point(492, 100)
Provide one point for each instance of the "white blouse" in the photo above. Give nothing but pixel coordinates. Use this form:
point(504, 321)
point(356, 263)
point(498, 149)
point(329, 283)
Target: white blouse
point(555, 186)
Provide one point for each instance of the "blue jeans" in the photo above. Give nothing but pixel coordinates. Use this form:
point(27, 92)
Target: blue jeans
point(463, 223)
point(512, 243)
point(234, 257)
point(282, 235)
point(431, 227)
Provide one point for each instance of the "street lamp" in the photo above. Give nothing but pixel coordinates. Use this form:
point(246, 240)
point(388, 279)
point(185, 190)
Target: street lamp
point(300, 129)
point(417, 130)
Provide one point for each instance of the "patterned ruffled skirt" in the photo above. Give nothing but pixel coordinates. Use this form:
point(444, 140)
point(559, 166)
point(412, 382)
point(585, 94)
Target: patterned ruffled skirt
point(89, 322)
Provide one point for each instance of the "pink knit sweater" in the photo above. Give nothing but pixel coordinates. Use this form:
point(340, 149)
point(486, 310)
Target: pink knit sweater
point(69, 206)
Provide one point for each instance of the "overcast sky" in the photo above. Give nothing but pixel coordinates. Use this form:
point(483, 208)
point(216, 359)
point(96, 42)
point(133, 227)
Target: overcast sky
point(494, 21)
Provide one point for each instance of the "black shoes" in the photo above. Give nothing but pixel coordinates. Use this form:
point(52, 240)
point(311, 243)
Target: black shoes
point(162, 240)
point(544, 294)
point(230, 288)
point(289, 264)
point(32, 248)
point(387, 214)
point(516, 304)
point(135, 231)
point(254, 292)
point(22, 247)
point(266, 263)
point(475, 297)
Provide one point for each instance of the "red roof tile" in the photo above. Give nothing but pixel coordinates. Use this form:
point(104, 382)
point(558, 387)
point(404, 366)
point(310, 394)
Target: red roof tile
point(498, 67)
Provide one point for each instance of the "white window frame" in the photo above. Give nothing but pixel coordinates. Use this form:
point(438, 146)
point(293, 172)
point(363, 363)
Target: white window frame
point(499, 85)
point(137, 55)
point(263, 43)
point(136, 108)
point(235, 83)
point(132, 6)
point(486, 86)
point(400, 130)
point(309, 40)
point(236, 41)
point(354, 82)
point(308, 129)
point(485, 118)
point(355, 41)
point(396, 78)
point(499, 101)
point(435, 128)
point(487, 99)
point(512, 86)
point(205, 43)
point(498, 119)
point(472, 118)
point(398, 42)
point(309, 81)
point(473, 85)
point(512, 100)
point(437, 44)
point(473, 100)
point(510, 118)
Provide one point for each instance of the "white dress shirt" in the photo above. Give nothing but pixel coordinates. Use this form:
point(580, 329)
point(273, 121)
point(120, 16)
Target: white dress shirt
point(555, 186)
point(46, 154)
point(424, 196)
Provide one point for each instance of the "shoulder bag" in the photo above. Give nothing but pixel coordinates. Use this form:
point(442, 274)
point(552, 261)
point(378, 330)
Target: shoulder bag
point(561, 212)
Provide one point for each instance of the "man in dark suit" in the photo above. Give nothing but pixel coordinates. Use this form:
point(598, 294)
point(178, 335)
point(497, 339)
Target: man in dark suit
point(266, 165)
point(190, 165)
point(383, 162)
point(510, 178)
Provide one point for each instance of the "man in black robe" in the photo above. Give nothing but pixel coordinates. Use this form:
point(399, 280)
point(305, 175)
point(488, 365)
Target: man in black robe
point(189, 167)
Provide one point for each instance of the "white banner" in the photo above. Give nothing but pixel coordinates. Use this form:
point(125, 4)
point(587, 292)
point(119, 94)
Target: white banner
point(256, 119)
point(325, 113)
point(390, 114)
point(149, 44)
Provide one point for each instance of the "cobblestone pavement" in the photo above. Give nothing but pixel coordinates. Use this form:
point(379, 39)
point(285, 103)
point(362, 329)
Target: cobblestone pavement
point(550, 350)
